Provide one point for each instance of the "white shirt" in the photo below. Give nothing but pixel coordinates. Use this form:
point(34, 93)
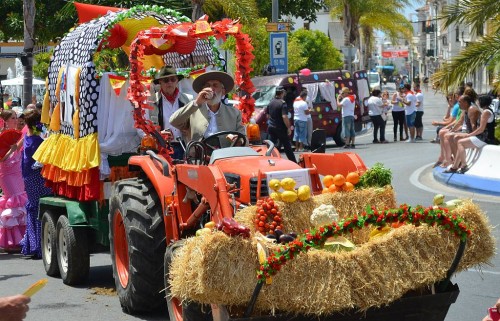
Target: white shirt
point(299, 108)
point(168, 110)
point(375, 106)
point(347, 107)
point(212, 124)
point(420, 99)
point(412, 107)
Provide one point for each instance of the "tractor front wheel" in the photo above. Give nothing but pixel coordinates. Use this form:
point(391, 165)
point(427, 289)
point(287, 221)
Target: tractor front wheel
point(137, 244)
point(177, 311)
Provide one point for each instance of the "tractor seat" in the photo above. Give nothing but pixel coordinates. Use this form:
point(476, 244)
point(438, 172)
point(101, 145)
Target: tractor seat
point(232, 152)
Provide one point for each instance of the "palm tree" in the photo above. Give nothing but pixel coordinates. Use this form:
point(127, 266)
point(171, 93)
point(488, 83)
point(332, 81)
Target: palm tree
point(245, 10)
point(351, 12)
point(485, 52)
point(386, 19)
point(29, 44)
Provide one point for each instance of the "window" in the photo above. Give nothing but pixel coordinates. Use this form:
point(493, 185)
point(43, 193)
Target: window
point(457, 34)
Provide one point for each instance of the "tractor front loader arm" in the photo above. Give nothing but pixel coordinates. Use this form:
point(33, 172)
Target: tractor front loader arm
point(210, 183)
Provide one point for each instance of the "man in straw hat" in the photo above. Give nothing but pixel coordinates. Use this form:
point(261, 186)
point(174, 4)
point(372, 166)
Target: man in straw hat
point(167, 101)
point(207, 114)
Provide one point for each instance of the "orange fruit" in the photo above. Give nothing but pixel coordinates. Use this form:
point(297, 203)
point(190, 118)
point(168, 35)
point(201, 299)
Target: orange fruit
point(325, 190)
point(327, 181)
point(339, 179)
point(353, 178)
point(334, 188)
point(348, 187)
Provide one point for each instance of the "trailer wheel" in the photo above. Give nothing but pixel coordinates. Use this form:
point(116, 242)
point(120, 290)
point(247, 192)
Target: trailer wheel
point(49, 244)
point(137, 244)
point(72, 252)
point(186, 311)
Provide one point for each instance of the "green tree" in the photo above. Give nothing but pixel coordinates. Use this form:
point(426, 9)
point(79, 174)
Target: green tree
point(318, 50)
point(41, 68)
point(485, 52)
point(305, 9)
point(260, 41)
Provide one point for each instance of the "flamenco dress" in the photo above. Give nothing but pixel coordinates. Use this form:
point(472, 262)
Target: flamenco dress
point(35, 188)
point(12, 203)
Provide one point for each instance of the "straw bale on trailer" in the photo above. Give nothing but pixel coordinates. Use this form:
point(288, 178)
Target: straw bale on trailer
point(215, 268)
point(296, 215)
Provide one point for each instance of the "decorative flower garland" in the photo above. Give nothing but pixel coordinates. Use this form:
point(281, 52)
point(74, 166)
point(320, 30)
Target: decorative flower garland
point(104, 57)
point(201, 29)
point(316, 237)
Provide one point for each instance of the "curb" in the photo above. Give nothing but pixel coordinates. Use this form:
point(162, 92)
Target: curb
point(480, 184)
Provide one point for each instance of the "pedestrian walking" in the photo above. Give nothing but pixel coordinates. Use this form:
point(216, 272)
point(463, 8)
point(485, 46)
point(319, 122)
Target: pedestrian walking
point(419, 125)
point(34, 185)
point(398, 115)
point(300, 112)
point(279, 127)
point(375, 109)
point(13, 201)
point(347, 102)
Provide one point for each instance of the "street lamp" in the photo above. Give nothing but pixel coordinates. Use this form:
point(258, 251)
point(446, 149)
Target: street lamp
point(435, 3)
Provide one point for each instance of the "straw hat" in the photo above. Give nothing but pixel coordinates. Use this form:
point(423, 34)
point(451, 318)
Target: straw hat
point(221, 76)
point(165, 72)
point(345, 90)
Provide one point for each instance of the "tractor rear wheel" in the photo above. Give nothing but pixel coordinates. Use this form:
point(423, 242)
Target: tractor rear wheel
point(73, 256)
point(177, 311)
point(137, 244)
point(49, 244)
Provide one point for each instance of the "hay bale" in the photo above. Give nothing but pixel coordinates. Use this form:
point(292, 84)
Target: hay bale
point(218, 269)
point(296, 215)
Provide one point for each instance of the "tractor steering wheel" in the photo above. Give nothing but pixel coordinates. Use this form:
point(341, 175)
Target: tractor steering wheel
point(213, 142)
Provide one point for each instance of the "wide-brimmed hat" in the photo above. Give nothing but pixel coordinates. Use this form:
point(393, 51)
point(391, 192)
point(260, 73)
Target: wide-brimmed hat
point(221, 76)
point(165, 72)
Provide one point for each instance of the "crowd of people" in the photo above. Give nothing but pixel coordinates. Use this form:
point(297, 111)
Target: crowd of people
point(407, 110)
point(468, 123)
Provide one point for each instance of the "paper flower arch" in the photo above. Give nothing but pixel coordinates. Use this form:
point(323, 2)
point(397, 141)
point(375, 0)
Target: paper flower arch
point(184, 33)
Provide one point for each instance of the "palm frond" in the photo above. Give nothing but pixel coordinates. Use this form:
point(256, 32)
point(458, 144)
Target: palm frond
point(246, 10)
point(475, 56)
point(471, 12)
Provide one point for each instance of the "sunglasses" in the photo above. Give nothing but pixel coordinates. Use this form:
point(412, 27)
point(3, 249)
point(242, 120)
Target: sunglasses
point(169, 79)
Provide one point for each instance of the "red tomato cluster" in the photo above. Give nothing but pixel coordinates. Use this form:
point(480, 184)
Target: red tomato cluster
point(268, 216)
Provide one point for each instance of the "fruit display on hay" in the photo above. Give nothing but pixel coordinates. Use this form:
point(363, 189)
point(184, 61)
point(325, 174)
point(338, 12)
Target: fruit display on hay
point(215, 268)
point(296, 216)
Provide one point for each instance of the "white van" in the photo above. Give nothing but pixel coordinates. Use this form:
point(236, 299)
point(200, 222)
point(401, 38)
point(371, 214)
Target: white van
point(374, 80)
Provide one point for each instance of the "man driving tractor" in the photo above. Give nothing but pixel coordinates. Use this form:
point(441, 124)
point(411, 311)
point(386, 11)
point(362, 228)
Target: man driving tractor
point(207, 114)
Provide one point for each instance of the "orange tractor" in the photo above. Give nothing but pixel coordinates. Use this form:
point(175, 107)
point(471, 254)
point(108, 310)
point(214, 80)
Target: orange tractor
point(149, 215)
point(163, 201)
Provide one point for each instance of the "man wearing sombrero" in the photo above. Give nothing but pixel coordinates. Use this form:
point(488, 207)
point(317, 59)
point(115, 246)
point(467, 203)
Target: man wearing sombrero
point(167, 101)
point(207, 114)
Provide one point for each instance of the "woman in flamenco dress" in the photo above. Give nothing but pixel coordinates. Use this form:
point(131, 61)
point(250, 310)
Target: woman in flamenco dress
point(34, 184)
point(13, 200)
